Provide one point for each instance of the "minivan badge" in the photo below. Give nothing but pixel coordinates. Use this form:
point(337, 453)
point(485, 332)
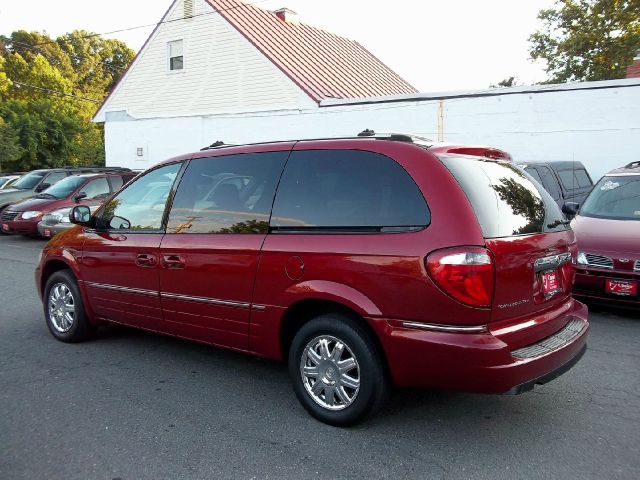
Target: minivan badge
point(513, 304)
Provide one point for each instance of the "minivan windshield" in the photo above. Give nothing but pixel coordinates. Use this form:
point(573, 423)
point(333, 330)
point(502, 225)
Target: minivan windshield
point(615, 197)
point(506, 200)
point(64, 187)
point(28, 181)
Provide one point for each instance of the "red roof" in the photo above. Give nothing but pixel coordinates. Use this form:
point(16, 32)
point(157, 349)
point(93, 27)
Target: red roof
point(322, 64)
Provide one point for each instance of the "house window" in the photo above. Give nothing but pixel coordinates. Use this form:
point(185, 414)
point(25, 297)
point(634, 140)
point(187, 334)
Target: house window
point(175, 55)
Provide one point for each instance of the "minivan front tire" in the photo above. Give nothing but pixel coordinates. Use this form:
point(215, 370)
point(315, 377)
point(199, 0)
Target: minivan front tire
point(63, 308)
point(337, 370)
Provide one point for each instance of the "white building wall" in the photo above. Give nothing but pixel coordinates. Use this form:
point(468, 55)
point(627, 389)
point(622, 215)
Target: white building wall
point(599, 127)
point(223, 72)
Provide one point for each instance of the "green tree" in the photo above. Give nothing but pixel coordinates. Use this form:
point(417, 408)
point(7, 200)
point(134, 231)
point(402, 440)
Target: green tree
point(10, 149)
point(587, 39)
point(522, 202)
point(89, 64)
point(49, 91)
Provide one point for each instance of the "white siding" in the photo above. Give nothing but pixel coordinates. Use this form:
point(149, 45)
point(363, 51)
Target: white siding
point(599, 127)
point(223, 72)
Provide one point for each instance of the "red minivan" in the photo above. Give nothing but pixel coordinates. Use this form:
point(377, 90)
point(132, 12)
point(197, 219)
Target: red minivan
point(362, 262)
point(23, 217)
point(608, 231)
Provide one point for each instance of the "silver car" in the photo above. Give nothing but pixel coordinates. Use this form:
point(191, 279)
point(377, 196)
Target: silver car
point(57, 221)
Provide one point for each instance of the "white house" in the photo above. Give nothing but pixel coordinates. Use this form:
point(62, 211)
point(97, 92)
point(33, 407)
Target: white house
point(223, 70)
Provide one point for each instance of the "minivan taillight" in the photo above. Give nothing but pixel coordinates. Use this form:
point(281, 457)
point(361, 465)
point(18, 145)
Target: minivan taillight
point(464, 273)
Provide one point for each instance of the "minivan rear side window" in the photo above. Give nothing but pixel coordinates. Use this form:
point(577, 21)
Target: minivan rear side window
point(227, 194)
point(347, 190)
point(505, 200)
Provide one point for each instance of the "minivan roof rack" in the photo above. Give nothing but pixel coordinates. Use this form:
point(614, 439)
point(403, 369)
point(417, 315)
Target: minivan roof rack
point(216, 144)
point(397, 137)
point(92, 168)
point(633, 165)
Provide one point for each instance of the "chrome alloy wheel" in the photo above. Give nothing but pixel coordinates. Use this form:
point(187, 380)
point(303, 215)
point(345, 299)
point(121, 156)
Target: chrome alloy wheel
point(330, 372)
point(62, 307)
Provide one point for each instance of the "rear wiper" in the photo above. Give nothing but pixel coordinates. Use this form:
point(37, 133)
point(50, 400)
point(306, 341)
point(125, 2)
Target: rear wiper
point(557, 223)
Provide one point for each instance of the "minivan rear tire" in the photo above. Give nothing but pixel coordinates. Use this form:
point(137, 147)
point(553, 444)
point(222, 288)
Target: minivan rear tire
point(351, 379)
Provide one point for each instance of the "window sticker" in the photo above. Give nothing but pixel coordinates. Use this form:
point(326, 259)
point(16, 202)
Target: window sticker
point(609, 185)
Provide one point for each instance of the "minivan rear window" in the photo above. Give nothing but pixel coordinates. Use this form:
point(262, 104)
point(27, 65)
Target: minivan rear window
point(506, 200)
point(347, 191)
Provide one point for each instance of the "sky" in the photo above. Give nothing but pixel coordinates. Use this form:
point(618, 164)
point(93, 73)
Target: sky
point(435, 46)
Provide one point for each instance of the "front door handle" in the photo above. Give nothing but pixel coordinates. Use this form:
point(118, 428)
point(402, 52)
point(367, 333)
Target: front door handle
point(146, 260)
point(173, 261)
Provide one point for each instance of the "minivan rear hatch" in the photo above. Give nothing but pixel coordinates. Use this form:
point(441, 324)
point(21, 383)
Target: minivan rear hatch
point(531, 242)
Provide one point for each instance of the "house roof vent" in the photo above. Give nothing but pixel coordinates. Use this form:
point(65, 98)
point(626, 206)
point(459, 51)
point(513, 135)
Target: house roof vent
point(188, 8)
point(287, 15)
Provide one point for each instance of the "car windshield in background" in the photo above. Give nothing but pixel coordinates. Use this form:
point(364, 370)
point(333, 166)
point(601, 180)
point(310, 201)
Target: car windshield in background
point(506, 200)
point(29, 180)
point(64, 187)
point(615, 197)
point(4, 181)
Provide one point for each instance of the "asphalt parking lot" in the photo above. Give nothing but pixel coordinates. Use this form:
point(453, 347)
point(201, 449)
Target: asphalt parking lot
point(133, 405)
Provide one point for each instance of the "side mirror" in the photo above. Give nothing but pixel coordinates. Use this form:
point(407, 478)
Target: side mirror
point(42, 187)
point(81, 215)
point(79, 196)
point(570, 208)
point(119, 223)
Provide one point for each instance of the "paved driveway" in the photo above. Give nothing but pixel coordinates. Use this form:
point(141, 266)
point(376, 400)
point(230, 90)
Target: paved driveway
point(132, 405)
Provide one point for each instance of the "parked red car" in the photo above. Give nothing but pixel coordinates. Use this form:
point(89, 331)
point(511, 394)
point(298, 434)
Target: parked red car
point(23, 217)
point(363, 262)
point(608, 232)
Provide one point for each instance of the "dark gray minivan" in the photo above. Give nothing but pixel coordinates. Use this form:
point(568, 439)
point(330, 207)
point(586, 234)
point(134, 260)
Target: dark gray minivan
point(566, 181)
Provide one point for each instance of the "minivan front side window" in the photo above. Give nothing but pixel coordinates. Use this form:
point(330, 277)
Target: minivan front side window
point(98, 188)
point(227, 194)
point(141, 205)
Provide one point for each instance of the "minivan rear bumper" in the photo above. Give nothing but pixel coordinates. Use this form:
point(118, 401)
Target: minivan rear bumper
point(480, 362)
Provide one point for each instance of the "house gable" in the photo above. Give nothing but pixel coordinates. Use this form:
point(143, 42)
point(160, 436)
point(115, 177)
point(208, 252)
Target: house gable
point(223, 72)
point(323, 64)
